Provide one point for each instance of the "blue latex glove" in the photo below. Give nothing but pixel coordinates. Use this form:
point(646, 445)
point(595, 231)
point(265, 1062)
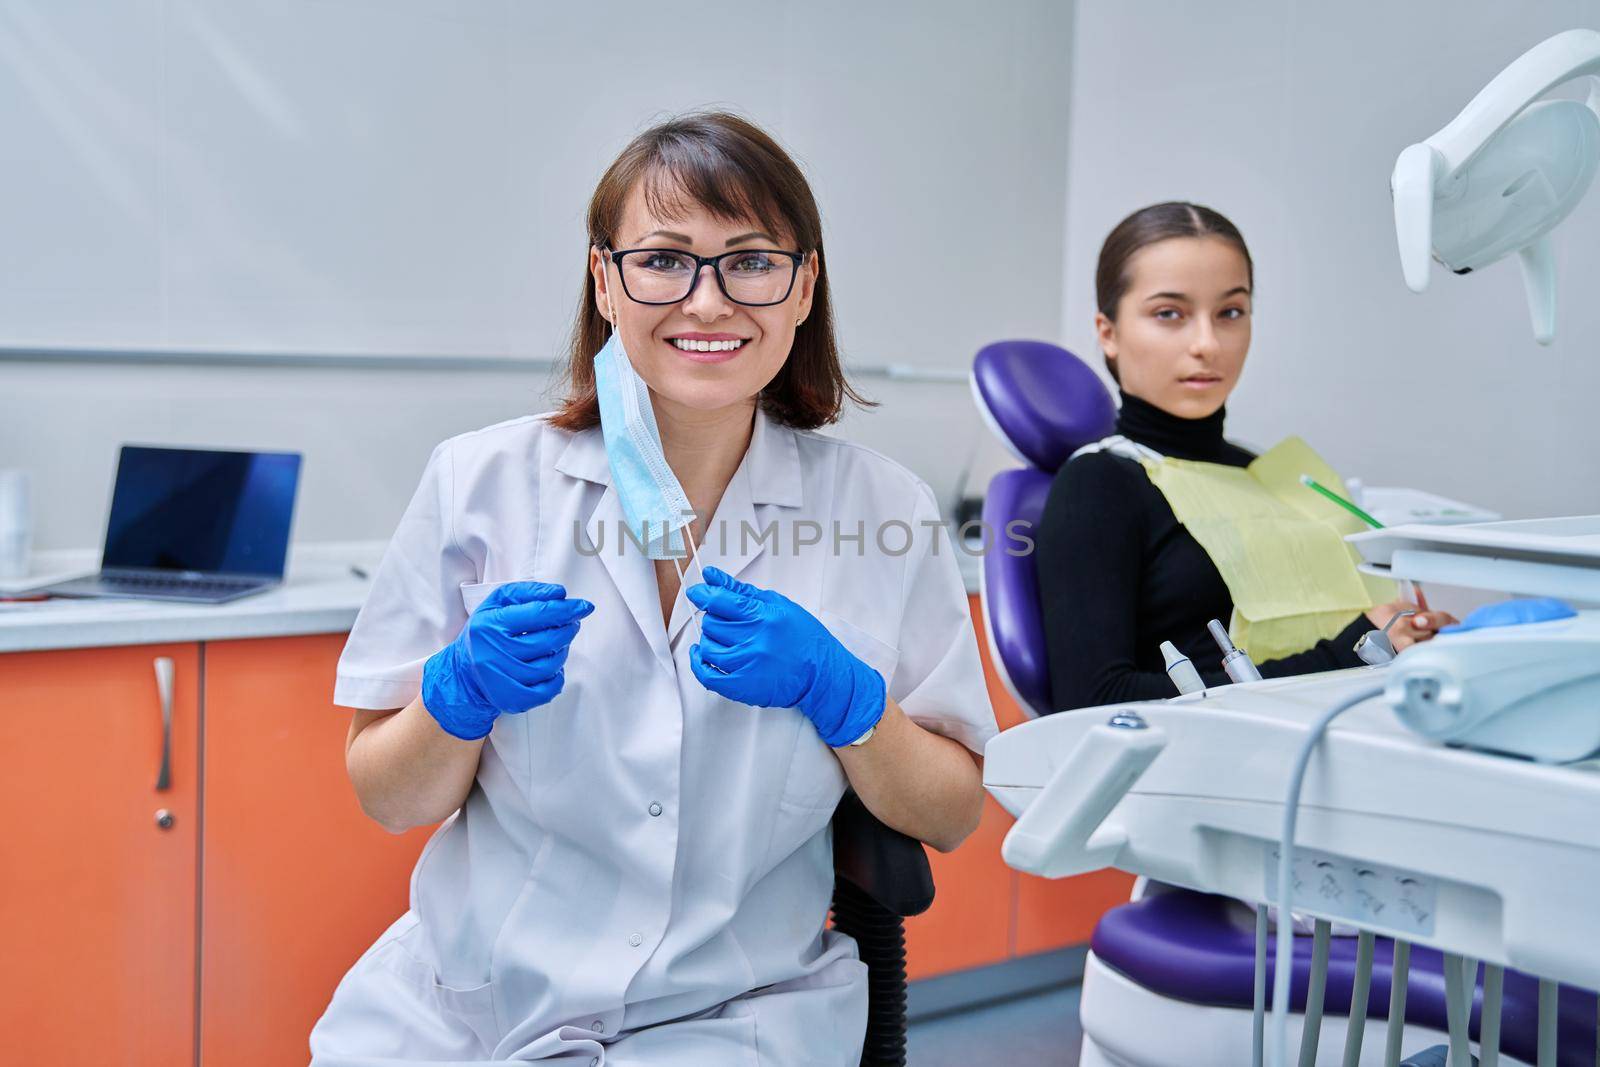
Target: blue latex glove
point(1513, 613)
point(759, 647)
point(508, 658)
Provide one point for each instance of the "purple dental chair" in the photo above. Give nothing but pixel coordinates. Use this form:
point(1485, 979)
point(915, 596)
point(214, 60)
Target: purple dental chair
point(1044, 404)
point(1169, 981)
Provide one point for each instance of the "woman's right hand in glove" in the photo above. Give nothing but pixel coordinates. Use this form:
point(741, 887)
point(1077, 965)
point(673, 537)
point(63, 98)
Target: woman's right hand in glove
point(507, 659)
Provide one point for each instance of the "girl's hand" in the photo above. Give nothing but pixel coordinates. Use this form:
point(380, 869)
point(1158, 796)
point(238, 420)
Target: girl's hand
point(1412, 629)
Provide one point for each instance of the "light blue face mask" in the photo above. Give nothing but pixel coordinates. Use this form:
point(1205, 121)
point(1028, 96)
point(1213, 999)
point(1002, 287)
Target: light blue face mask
point(654, 505)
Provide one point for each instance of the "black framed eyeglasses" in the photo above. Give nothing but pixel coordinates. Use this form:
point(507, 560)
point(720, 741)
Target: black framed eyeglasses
point(754, 277)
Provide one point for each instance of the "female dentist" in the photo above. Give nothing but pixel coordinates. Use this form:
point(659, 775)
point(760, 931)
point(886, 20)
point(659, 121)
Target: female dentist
point(1140, 539)
point(637, 778)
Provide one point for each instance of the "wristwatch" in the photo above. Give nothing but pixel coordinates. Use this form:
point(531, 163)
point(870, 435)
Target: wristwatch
point(864, 738)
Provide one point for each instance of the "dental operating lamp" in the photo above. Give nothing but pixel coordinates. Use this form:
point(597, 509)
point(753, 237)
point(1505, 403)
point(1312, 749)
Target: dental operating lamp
point(1504, 173)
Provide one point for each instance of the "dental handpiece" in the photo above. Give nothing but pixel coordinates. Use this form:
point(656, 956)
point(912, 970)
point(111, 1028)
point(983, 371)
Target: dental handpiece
point(1236, 661)
point(1180, 670)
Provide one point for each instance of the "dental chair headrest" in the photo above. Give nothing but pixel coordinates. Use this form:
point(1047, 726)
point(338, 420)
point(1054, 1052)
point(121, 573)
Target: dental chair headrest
point(1043, 402)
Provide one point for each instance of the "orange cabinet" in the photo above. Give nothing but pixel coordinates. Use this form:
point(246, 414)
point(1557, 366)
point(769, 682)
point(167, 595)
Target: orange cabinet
point(97, 859)
point(297, 881)
point(231, 918)
point(983, 912)
point(970, 922)
point(226, 905)
point(1048, 913)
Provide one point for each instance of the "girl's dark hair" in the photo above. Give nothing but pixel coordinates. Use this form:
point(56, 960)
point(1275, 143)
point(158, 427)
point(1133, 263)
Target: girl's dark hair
point(735, 170)
point(1158, 222)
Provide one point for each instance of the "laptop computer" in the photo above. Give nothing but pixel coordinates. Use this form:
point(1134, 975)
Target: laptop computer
point(193, 525)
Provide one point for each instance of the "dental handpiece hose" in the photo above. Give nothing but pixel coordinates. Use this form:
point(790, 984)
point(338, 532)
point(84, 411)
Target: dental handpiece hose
point(1236, 661)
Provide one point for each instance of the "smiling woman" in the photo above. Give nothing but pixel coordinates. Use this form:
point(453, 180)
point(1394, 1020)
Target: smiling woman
point(641, 776)
point(770, 300)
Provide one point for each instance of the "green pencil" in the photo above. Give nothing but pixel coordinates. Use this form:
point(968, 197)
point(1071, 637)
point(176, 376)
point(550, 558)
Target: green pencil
point(1311, 483)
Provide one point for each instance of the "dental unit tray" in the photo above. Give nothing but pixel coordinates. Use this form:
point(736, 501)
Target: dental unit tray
point(1468, 852)
point(1396, 506)
point(1533, 557)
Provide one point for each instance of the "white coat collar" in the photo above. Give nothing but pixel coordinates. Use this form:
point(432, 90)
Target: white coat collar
point(772, 462)
point(768, 474)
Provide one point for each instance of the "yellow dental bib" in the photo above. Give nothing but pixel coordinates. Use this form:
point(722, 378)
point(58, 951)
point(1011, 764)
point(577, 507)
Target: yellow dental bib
point(1279, 547)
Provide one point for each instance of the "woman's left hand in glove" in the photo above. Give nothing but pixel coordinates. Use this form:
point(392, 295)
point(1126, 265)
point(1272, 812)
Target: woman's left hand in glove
point(761, 648)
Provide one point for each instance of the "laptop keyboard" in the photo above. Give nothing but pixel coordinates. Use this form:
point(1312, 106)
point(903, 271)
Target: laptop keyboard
point(177, 583)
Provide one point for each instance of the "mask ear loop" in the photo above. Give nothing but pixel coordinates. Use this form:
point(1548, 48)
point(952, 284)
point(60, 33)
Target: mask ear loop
point(683, 578)
point(611, 305)
point(698, 615)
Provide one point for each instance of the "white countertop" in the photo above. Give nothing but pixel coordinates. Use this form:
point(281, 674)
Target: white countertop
point(320, 595)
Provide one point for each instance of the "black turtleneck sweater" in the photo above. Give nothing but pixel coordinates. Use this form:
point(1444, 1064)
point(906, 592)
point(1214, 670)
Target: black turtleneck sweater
point(1118, 574)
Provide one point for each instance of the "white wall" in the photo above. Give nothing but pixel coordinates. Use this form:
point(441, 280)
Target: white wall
point(1287, 117)
point(409, 176)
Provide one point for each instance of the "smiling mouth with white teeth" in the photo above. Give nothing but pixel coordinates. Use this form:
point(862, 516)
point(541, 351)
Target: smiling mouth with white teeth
point(686, 345)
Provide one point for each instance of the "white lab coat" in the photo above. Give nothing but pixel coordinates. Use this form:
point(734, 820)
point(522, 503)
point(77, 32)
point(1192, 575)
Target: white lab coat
point(642, 870)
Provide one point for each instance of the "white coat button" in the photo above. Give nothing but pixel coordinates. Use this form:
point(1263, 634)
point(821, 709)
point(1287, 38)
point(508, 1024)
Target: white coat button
point(599, 1026)
point(655, 809)
point(636, 940)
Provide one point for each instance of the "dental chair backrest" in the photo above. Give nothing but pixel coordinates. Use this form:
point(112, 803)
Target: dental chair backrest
point(1044, 403)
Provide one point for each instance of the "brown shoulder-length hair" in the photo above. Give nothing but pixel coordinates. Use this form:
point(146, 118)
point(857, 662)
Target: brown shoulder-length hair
point(1158, 222)
point(735, 170)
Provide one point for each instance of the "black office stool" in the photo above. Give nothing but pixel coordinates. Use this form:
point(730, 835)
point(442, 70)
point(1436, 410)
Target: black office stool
point(880, 876)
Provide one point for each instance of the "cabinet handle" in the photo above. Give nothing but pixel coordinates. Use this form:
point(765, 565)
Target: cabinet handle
point(164, 677)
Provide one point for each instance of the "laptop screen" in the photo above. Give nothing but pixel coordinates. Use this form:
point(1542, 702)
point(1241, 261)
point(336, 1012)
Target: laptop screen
point(185, 509)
